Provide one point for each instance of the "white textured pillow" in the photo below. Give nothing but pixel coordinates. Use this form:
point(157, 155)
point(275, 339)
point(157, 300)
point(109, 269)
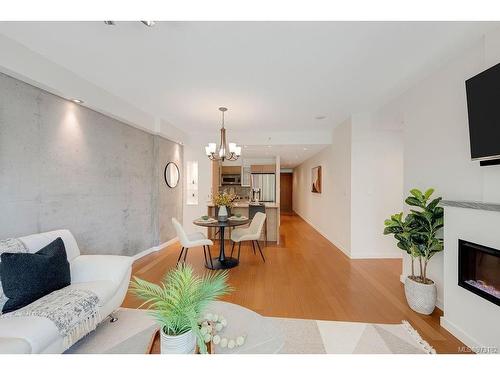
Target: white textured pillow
point(10, 245)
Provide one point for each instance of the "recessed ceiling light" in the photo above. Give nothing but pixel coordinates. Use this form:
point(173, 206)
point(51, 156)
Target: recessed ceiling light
point(78, 101)
point(321, 117)
point(149, 23)
point(305, 148)
point(110, 23)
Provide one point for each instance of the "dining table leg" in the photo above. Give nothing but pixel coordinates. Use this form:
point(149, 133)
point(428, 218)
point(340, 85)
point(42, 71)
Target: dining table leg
point(223, 262)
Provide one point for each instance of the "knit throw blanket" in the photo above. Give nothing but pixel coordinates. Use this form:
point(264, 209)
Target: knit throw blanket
point(74, 312)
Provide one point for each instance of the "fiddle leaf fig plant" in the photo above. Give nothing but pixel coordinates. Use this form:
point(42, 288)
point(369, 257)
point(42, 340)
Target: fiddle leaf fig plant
point(418, 233)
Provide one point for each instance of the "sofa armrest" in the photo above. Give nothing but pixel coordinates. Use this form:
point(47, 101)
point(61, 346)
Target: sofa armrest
point(85, 268)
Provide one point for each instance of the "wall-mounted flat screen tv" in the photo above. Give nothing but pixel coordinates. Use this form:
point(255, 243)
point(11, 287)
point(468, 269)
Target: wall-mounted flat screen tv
point(483, 105)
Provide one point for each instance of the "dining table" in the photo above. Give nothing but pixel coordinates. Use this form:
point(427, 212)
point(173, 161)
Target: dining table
point(222, 261)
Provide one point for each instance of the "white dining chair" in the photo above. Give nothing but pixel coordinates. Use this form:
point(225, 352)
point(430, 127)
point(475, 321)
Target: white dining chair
point(192, 240)
point(252, 233)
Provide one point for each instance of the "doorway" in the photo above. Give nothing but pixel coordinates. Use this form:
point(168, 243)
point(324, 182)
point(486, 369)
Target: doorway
point(286, 186)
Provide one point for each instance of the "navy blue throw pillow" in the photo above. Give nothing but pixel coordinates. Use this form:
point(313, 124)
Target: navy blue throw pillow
point(28, 277)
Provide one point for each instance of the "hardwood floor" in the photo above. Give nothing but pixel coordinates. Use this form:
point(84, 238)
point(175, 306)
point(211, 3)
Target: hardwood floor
point(307, 277)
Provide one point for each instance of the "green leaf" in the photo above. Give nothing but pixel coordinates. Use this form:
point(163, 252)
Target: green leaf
point(412, 201)
point(417, 194)
point(428, 193)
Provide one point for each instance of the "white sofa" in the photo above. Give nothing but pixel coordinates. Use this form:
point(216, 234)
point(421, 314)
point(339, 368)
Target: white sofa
point(106, 275)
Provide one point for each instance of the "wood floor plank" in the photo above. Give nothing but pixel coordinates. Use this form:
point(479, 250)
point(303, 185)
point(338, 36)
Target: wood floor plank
point(308, 277)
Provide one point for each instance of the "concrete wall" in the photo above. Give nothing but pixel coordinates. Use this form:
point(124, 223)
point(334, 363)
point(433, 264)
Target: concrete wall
point(65, 166)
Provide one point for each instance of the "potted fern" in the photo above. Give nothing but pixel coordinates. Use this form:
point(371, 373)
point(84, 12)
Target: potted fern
point(418, 234)
point(177, 303)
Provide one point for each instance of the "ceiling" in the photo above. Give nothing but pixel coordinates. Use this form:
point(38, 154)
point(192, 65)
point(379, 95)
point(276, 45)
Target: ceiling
point(290, 155)
point(273, 76)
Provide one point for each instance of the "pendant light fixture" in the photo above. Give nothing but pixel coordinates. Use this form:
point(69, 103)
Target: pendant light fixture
point(223, 152)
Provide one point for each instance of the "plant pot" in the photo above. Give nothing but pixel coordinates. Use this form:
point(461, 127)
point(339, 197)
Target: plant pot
point(181, 344)
point(222, 215)
point(420, 297)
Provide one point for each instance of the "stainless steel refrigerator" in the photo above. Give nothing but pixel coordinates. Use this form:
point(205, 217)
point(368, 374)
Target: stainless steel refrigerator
point(266, 183)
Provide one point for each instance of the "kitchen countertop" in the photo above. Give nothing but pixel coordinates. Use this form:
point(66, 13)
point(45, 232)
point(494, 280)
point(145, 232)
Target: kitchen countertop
point(246, 204)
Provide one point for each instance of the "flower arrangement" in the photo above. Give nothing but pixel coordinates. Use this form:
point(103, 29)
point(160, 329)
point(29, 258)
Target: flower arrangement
point(179, 300)
point(223, 199)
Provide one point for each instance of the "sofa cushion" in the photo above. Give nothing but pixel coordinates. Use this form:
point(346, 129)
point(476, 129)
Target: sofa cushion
point(41, 332)
point(104, 289)
point(11, 345)
point(35, 242)
point(28, 277)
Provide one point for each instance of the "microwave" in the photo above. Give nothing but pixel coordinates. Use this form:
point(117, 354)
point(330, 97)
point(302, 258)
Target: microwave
point(231, 179)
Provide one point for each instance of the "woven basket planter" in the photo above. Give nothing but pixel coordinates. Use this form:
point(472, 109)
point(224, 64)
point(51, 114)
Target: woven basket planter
point(420, 297)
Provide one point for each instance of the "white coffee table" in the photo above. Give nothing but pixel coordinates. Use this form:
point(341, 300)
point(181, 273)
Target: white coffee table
point(262, 336)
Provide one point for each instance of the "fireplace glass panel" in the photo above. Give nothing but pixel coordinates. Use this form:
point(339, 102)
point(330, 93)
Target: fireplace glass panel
point(479, 270)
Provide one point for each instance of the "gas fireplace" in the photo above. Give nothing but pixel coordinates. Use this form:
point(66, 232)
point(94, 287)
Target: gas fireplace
point(479, 270)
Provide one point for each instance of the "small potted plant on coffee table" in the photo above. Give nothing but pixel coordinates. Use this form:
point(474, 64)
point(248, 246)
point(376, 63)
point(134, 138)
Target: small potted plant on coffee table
point(177, 304)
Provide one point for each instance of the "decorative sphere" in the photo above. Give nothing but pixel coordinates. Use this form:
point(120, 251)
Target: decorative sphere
point(240, 340)
point(204, 330)
point(209, 328)
point(223, 322)
point(223, 342)
point(208, 337)
point(216, 340)
point(231, 344)
point(218, 327)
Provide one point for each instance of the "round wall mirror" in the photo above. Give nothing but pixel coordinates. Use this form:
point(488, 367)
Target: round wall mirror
point(171, 174)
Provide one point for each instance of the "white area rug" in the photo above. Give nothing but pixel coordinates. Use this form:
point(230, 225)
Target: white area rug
point(133, 330)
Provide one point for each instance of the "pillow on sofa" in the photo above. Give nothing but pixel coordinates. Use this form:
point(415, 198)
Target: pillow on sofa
point(28, 277)
point(10, 245)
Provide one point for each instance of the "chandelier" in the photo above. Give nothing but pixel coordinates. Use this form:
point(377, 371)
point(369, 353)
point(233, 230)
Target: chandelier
point(223, 152)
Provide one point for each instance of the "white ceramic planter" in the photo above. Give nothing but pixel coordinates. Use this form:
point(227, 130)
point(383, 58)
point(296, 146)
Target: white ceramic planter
point(222, 213)
point(182, 344)
point(420, 297)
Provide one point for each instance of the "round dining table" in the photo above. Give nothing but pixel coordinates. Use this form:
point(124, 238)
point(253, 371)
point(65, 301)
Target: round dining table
point(222, 261)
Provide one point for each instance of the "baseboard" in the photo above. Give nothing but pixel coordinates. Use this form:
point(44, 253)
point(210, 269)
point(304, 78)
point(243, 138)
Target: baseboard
point(439, 301)
point(155, 248)
point(459, 334)
point(323, 234)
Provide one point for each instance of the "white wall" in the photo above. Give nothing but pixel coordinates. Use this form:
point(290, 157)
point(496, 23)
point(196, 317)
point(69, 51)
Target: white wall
point(362, 186)
point(194, 150)
point(471, 318)
point(328, 212)
point(436, 138)
point(376, 185)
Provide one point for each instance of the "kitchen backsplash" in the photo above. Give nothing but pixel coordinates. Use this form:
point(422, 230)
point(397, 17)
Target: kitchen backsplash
point(241, 191)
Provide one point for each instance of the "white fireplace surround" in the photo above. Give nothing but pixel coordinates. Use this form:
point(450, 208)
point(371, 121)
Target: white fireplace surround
point(471, 318)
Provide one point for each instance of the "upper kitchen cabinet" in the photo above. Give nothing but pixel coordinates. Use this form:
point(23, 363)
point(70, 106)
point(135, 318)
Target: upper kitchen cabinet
point(267, 168)
point(231, 169)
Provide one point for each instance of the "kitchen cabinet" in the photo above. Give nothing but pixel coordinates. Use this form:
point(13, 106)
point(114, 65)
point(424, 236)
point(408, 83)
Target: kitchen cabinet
point(216, 181)
point(267, 168)
point(246, 174)
point(231, 169)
